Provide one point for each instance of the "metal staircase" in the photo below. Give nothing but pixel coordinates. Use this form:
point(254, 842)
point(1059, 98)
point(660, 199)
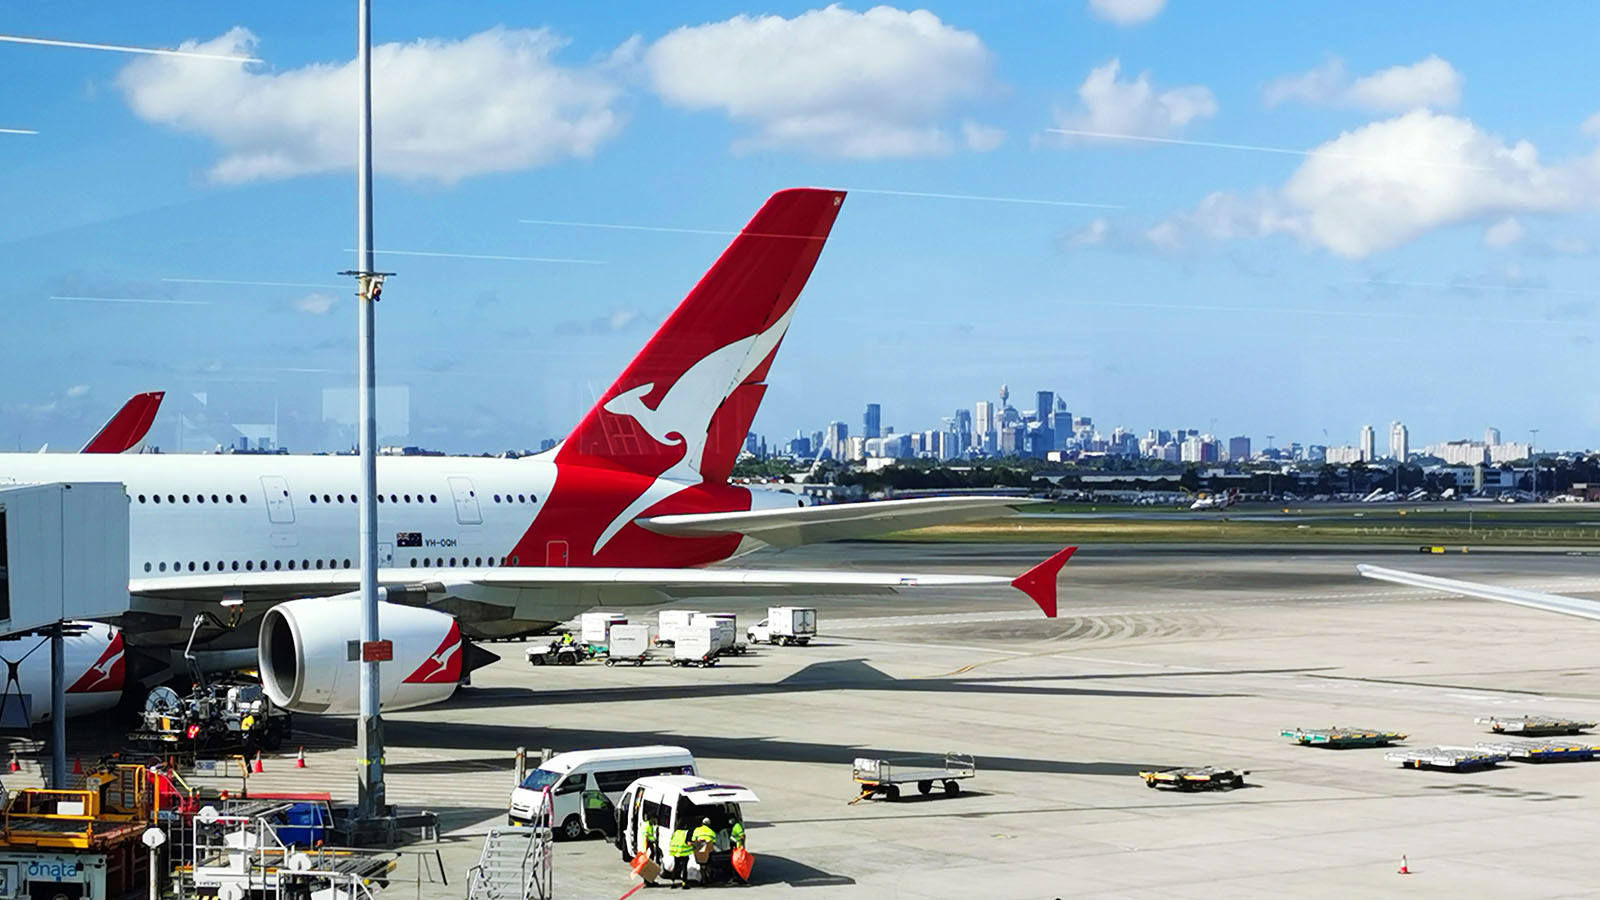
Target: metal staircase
point(514, 865)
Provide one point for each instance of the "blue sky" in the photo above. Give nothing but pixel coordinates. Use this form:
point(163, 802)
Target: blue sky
point(1431, 260)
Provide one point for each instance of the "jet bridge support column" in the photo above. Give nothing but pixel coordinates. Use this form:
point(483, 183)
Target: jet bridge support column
point(58, 706)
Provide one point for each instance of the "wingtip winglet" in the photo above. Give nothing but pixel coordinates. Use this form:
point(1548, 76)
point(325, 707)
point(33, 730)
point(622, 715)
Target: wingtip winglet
point(1039, 582)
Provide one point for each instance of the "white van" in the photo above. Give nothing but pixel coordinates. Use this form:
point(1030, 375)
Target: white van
point(678, 801)
point(595, 777)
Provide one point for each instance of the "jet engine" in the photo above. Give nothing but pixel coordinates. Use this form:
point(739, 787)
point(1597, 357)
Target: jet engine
point(310, 654)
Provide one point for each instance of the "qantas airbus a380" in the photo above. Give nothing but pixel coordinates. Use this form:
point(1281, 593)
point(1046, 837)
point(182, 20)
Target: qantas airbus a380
point(633, 507)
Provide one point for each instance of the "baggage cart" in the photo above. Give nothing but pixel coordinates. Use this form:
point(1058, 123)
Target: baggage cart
point(670, 621)
point(884, 777)
point(1339, 737)
point(1537, 751)
point(629, 644)
point(1195, 778)
point(695, 646)
point(1458, 758)
point(1534, 725)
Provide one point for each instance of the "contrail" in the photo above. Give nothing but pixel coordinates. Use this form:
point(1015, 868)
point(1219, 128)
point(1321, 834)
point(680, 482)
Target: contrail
point(254, 283)
point(1470, 286)
point(541, 259)
point(136, 300)
point(118, 48)
point(623, 227)
point(1030, 200)
point(1338, 313)
point(17, 131)
point(803, 237)
point(1073, 132)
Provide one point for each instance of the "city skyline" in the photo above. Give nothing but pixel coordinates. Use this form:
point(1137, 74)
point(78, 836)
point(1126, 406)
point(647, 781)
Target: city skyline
point(965, 434)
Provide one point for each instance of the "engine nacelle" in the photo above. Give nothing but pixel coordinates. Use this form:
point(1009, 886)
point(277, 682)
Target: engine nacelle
point(309, 651)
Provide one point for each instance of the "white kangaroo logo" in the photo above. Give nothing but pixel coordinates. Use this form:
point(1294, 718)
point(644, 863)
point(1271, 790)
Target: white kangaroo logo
point(683, 417)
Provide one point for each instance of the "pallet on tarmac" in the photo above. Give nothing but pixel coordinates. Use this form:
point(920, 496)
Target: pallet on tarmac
point(1534, 725)
point(1536, 751)
point(1458, 758)
point(1195, 778)
point(1338, 737)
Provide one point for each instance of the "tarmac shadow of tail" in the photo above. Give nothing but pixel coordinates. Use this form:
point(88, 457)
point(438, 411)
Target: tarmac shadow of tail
point(772, 869)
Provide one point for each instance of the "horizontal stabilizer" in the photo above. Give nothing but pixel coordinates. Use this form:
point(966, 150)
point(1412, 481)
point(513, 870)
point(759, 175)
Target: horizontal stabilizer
point(793, 526)
point(1557, 603)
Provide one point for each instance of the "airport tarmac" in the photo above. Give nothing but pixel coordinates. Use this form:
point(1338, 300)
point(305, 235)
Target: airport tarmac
point(1162, 656)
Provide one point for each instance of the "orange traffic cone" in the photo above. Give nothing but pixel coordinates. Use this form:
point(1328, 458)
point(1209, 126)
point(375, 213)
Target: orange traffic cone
point(257, 767)
point(77, 766)
point(1404, 868)
point(300, 759)
point(15, 766)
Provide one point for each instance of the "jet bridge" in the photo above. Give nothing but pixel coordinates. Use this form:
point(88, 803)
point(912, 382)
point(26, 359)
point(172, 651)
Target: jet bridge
point(63, 553)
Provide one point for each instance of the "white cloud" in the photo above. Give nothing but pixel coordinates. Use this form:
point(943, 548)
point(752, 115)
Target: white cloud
point(1428, 82)
point(829, 81)
point(1503, 233)
point(442, 109)
point(315, 303)
point(980, 137)
point(77, 391)
point(1387, 182)
point(1093, 234)
point(1127, 12)
point(1114, 106)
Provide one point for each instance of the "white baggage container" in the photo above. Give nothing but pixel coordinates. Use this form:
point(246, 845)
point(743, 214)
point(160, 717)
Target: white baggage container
point(671, 621)
point(695, 646)
point(629, 644)
point(596, 626)
point(724, 628)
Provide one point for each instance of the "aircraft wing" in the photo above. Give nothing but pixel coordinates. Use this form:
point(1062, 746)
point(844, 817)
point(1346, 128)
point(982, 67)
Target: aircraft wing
point(793, 526)
point(597, 586)
point(1571, 606)
point(128, 426)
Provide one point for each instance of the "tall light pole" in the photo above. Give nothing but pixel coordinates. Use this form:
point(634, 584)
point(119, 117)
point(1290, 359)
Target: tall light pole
point(371, 802)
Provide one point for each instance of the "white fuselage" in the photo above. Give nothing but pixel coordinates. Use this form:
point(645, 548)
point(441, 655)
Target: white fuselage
point(251, 512)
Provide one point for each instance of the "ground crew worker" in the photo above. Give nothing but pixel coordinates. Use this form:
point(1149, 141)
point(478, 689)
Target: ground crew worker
point(566, 639)
point(736, 834)
point(703, 833)
point(681, 854)
point(651, 848)
point(595, 802)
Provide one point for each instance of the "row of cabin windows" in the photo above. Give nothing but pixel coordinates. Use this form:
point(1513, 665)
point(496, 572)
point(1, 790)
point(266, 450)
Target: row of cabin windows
point(251, 565)
point(220, 499)
point(198, 498)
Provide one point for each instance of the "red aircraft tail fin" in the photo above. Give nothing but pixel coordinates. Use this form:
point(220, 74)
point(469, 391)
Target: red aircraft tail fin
point(129, 426)
point(685, 403)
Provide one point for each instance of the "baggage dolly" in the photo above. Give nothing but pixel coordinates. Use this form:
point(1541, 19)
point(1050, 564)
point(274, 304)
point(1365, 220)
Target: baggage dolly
point(1458, 758)
point(1536, 751)
point(1195, 778)
point(1533, 725)
point(884, 776)
point(1339, 738)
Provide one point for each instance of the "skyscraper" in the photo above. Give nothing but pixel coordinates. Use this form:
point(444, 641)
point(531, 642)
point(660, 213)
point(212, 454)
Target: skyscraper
point(1491, 436)
point(835, 439)
point(1238, 448)
point(1044, 410)
point(1399, 441)
point(982, 425)
point(871, 421)
point(1368, 442)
